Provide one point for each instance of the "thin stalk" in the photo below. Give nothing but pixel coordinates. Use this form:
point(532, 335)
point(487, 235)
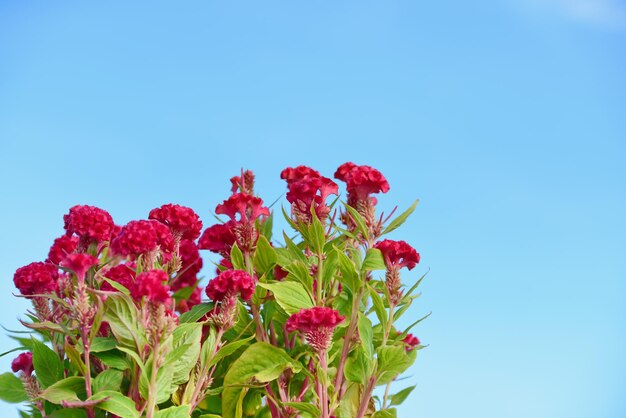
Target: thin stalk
point(151, 404)
point(386, 396)
point(86, 348)
point(205, 375)
point(367, 395)
point(323, 394)
point(389, 324)
point(346, 346)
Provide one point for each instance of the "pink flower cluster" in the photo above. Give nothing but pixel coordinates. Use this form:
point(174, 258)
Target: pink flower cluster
point(317, 324)
point(229, 284)
point(152, 285)
point(89, 223)
point(411, 342)
point(61, 247)
point(182, 221)
point(36, 278)
point(308, 188)
point(79, 263)
point(398, 254)
point(141, 237)
point(361, 181)
point(243, 183)
point(123, 274)
point(23, 363)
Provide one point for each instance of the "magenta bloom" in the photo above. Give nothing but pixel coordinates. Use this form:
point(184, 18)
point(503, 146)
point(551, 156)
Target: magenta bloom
point(361, 181)
point(243, 183)
point(306, 188)
point(61, 247)
point(317, 324)
point(183, 221)
point(248, 207)
point(398, 254)
point(23, 363)
point(411, 342)
point(122, 274)
point(79, 263)
point(229, 283)
point(152, 285)
point(141, 237)
point(218, 238)
point(191, 263)
point(36, 278)
point(89, 223)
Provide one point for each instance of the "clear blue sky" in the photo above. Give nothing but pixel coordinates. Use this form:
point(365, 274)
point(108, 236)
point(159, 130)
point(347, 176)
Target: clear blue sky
point(506, 118)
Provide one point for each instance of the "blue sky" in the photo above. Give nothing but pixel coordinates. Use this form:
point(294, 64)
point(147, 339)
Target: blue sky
point(507, 119)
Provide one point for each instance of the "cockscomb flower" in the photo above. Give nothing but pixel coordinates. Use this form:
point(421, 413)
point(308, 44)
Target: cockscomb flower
point(141, 237)
point(248, 207)
point(194, 299)
point(317, 324)
point(218, 238)
point(243, 183)
point(306, 188)
point(79, 263)
point(182, 221)
point(89, 223)
point(361, 181)
point(23, 363)
point(398, 254)
point(123, 274)
point(61, 247)
point(411, 342)
point(191, 264)
point(152, 285)
point(229, 284)
point(36, 278)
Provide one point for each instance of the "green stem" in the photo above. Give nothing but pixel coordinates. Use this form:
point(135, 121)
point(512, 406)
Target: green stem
point(153, 377)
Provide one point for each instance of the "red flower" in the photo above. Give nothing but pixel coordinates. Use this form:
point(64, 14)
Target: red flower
point(218, 238)
point(361, 181)
point(23, 363)
point(247, 206)
point(36, 278)
point(398, 254)
point(122, 274)
point(307, 187)
point(152, 284)
point(183, 221)
point(191, 263)
point(411, 342)
point(140, 237)
point(61, 247)
point(243, 183)
point(79, 263)
point(317, 324)
point(89, 223)
point(224, 264)
point(229, 283)
point(194, 299)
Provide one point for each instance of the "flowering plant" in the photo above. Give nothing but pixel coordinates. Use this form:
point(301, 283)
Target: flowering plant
point(295, 326)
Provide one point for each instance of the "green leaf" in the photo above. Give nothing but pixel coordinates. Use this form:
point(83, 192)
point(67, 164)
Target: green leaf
point(47, 364)
point(392, 360)
point(264, 256)
point(359, 221)
point(373, 260)
point(117, 286)
point(379, 308)
point(349, 274)
point(295, 251)
point(349, 402)
point(358, 366)
point(399, 397)
point(415, 286)
point(114, 359)
point(291, 296)
point(75, 358)
point(261, 362)
point(406, 331)
point(186, 335)
point(236, 257)
point(317, 236)
point(299, 272)
point(64, 390)
point(385, 413)
point(229, 349)
point(400, 219)
point(12, 389)
point(195, 313)
point(267, 226)
point(102, 344)
point(366, 334)
point(116, 403)
point(110, 379)
point(123, 318)
point(304, 407)
point(173, 412)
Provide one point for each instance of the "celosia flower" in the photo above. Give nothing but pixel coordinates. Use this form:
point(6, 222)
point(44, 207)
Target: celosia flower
point(243, 183)
point(89, 223)
point(141, 237)
point(317, 324)
point(229, 283)
point(411, 342)
point(61, 247)
point(194, 299)
point(79, 263)
point(398, 254)
point(218, 238)
point(183, 221)
point(123, 274)
point(248, 208)
point(36, 278)
point(224, 264)
point(191, 263)
point(361, 181)
point(306, 188)
point(152, 285)
point(23, 363)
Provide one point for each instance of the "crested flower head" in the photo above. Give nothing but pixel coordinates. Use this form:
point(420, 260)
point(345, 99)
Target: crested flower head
point(61, 247)
point(36, 278)
point(230, 283)
point(243, 183)
point(398, 254)
point(23, 363)
point(152, 285)
point(306, 188)
point(218, 238)
point(361, 181)
point(79, 263)
point(123, 274)
point(89, 223)
point(248, 207)
point(140, 237)
point(181, 220)
point(317, 324)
